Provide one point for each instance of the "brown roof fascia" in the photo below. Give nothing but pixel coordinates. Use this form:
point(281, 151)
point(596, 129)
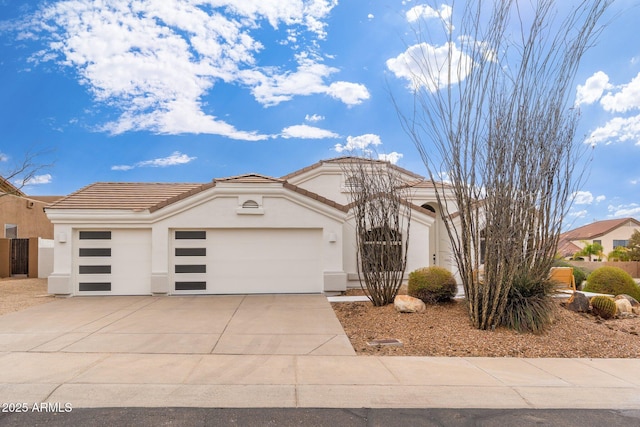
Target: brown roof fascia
point(182, 196)
point(407, 204)
point(350, 159)
point(315, 196)
point(8, 188)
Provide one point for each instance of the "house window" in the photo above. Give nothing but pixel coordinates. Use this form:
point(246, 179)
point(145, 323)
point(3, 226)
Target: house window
point(11, 231)
point(250, 204)
point(382, 250)
point(191, 235)
point(96, 252)
point(95, 235)
point(618, 243)
point(598, 242)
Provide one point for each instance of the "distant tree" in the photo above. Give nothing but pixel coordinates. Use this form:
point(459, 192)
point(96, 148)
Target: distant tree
point(634, 246)
point(620, 253)
point(591, 249)
point(492, 110)
point(382, 218)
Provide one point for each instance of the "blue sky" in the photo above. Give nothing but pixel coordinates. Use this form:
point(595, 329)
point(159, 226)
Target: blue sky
point(187, 91)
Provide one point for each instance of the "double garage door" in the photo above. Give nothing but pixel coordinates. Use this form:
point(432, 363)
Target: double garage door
point(208, 261)
point(239, 261)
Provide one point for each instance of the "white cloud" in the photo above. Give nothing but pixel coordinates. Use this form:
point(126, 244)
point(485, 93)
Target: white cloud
point(370, 16)
point(592, 89)
point(348, 93)
point(579, 214)
point(423, 11)
point(618, 129)
point(582, 198)
point(176, 158)
point(307, 132)
point(271, 87)
point(154, 61)
point(424, 65)
point(36, 180)
point(623, 211)
point(392, 157)
point(361, 142)
point(625, 99)
point(3, 157)
point(600, 198)
point(314, 118)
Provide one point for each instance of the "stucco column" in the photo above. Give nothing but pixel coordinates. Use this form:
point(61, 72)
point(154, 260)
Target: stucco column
point(160, 260)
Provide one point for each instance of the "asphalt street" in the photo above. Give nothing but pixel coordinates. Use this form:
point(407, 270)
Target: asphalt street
point(323, 417)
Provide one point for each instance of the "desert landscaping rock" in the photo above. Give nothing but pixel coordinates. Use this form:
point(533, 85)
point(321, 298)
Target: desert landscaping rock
point(407, 304)
point(578, 302)
point(623, 306)
point(445, 330)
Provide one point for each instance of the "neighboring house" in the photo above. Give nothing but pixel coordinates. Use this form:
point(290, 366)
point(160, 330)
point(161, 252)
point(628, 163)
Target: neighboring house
point(609, 233)
point(244, 234)
point(22, 217)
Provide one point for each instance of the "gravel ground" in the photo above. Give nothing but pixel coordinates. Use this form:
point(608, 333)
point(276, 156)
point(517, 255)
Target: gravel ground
point(18, 294)
point(445, 330)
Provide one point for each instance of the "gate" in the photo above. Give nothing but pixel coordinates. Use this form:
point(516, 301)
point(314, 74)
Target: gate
point(19, 257)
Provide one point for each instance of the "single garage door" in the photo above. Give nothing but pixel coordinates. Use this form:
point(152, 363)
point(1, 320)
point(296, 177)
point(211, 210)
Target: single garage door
point(112, 262)
point(248, 261)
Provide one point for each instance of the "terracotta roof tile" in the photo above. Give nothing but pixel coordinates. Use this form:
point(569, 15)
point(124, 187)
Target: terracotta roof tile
point(596, 229)
point(349, 159)
point(123, 195)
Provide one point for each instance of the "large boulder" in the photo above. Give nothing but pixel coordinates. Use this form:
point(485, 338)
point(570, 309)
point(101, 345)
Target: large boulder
point(578, 302)
point(407, 304)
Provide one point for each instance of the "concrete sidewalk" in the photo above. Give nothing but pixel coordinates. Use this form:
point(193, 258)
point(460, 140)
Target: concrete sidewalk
point(280, 351)
point(186, 380)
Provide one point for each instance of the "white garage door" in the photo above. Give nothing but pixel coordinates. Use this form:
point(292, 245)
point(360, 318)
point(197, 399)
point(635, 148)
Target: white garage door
point(112, 262)
point(239, 261)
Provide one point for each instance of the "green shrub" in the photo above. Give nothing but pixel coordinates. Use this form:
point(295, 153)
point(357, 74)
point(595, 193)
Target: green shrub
point(579, 274)
point(432, 284)
point(612, 280)
point(529, 305)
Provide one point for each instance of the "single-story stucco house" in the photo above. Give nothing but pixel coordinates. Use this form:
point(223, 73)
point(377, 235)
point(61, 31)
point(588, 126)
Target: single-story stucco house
point(244, 234)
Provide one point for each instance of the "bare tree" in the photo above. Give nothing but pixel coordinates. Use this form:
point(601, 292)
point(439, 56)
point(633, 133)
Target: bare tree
point(493, 112)
point(20, 173)
point(382, 217)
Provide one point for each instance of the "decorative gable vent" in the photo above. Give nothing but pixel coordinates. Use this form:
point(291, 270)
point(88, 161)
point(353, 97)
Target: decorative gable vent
point(250, 204)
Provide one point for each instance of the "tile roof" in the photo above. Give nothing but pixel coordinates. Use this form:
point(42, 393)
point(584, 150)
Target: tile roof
point(596, 229)
point(155, 196)
point(9, 188)
point(124, 195)
point(350, 159)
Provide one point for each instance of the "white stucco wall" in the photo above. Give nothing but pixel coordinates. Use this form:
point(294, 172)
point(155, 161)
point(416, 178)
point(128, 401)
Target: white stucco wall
point(142, 241)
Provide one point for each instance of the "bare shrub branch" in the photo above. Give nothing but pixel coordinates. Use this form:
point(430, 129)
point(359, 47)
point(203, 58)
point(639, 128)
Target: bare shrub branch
point(382, 216)
point(500, 124)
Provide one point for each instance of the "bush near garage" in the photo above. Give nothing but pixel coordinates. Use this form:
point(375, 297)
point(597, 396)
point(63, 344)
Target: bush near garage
point(432, 285)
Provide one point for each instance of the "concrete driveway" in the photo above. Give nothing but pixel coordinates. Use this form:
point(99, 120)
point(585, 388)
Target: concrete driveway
point(237, 324)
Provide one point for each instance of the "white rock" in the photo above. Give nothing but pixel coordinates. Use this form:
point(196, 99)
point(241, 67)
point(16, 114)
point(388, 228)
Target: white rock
point(624, 306)
point(407, 304)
